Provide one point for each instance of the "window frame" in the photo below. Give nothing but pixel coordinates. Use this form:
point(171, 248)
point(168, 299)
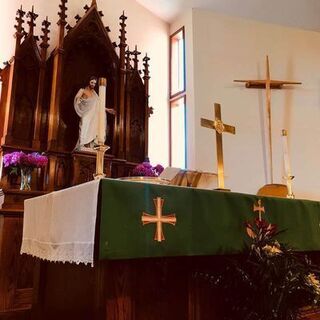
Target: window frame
point(173, 100)
point(177, 95)
point(181, 92)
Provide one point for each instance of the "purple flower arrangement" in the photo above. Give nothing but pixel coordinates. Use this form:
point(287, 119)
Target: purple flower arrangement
point(19, 159)
point(145, 169)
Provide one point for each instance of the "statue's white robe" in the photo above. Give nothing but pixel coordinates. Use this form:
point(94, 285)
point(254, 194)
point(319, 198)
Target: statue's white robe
point(88, 111)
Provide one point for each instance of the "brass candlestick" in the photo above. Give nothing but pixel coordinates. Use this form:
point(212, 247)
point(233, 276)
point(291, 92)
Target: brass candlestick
point(101, 150)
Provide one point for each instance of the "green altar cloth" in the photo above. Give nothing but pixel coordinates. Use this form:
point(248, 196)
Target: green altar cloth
point(208, 222)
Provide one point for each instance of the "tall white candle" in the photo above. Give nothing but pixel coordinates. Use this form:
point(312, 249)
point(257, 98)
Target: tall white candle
point(287, 166)
point(102, 124)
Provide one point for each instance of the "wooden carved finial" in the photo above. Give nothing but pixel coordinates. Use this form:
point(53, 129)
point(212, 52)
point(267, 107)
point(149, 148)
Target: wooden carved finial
point(146, 78)
point(32, 16)
point(20, 30)
point(123, 31)
point(94, 3)
point(128, 59)
point(62, 14)
point(135, 54)
point(45, 37)
point(146, 71)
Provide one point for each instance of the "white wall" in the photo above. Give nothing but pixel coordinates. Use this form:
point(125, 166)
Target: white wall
point(227, 48)
point(146, 30)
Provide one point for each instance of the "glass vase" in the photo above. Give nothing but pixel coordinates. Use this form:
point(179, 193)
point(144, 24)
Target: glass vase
point(25, 179)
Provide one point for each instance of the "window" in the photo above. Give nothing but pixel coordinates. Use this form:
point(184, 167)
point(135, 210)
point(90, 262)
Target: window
point(177, 100)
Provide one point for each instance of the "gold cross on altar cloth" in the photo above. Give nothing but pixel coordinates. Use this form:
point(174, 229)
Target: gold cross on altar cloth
point(159, 219)
point(260, 208)
point(220, 128)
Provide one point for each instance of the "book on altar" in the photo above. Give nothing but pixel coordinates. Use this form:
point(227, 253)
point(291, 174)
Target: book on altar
point(190, 178)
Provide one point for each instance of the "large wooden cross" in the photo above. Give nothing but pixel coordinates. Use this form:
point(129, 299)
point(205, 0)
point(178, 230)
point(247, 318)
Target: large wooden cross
point(220, 128)
point(159, 219)
point(268, 84)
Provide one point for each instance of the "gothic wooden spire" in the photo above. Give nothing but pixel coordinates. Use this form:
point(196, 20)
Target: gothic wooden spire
point(20, 31)
point(123, 32)
point(32, 18)
point(121, 123)
point(62, 13)
point(135, 53)
point(62, 21)
point(148, 110)
point(45, 37)
point(146, 78)
point(41, 87)
point(146, 72)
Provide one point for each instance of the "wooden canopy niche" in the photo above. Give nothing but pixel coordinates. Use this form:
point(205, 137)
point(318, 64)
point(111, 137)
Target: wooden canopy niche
point(88, 51)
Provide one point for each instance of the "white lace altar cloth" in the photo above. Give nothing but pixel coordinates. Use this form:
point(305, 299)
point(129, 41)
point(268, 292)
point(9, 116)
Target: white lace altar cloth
point(60, 226)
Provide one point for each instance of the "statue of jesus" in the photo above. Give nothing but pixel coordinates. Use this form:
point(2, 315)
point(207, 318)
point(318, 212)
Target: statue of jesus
point(86, 105)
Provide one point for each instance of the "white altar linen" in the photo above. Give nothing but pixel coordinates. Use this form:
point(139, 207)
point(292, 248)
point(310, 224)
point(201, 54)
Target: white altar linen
point(60, 226)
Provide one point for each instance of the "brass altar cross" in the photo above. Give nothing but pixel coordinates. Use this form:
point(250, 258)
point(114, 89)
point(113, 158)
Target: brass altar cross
point(159, 219)
point(260, 208)
point(220, 128)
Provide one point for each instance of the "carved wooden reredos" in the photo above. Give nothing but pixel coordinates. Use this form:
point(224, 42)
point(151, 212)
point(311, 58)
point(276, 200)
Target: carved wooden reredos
point(36, 106)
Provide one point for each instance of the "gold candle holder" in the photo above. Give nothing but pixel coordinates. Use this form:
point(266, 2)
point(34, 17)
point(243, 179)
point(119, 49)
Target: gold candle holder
point(101, 150)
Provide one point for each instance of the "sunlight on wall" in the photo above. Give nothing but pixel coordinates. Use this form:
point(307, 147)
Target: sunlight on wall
point(7, 14)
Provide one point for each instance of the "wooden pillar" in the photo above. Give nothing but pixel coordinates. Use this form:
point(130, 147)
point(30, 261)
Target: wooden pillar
point(148, 110)
point(56, 81)
point(129, 92)
point(121, 118)
point(36, 143)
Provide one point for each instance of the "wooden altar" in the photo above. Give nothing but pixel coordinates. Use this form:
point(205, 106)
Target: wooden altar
point(37, 115)
point(135, 277)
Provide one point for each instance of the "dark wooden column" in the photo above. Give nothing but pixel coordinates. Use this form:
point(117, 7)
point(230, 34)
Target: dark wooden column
point(12, 83)
point(148, 110)
point(121, 118)
point(129, 92)
point(37, 116)
point(56, 81)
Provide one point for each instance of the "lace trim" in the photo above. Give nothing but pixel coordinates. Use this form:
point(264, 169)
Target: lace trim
point(79, 252)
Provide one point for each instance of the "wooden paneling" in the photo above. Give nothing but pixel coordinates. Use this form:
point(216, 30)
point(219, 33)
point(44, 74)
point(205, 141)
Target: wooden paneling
point(16, 276)
point(144, 289)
